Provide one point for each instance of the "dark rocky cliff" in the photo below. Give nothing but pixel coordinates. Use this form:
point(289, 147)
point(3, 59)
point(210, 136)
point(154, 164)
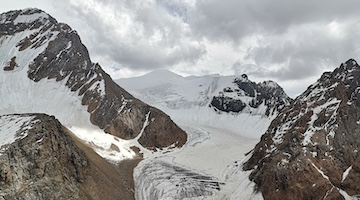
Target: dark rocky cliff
point(236, 99)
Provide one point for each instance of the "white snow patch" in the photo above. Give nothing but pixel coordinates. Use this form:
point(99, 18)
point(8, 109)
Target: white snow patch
point(124, 103)
point(346, 173)
point(22, 18)
point(278, 137)
point(99, 86)
point(342, 192)
point(314, 154)
point(146, 123)
point(331, 134)
point(13, 127)
point(9, 50)
point(332, 105)
point(321, 172)
point(347, 196)
point(284, 161)
point(103, 142)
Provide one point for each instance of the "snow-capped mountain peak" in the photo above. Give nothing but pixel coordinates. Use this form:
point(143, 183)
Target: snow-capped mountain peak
point(266, 98)
point(44, 68)
point(203, 99)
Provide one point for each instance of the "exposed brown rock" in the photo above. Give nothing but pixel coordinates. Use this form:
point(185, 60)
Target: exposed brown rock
point(164, 133)
point(25, 43)
point(104, 180)
point(52, 163)
point(44, 164)
point(12, 64)
point(286, 164)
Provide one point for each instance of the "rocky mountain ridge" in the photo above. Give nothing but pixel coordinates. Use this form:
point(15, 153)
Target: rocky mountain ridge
point(34, 46)
point(246, 95)
point(310, 150)
point(231, 94)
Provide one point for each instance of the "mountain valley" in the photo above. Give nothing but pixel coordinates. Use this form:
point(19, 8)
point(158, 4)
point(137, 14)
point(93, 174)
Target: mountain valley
point(68, 131)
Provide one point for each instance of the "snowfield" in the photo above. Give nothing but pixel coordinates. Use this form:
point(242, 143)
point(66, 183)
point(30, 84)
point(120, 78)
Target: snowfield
point(214, 155)
point(209, 166)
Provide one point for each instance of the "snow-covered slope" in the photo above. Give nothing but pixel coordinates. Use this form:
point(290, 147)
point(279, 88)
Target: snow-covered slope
point(12, 128)
point(311, 148)
point(226, 102)
point(220, 133)
point(207, 167)
point(44, 68)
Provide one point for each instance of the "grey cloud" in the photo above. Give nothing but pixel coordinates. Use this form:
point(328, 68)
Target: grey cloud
point(149, 58)
point(244, 68)
point(310, 54)
point(294, 42)
point(175, 8)
point(232, 20)
point(292, 37)
point(182, 29)
point(137, 35)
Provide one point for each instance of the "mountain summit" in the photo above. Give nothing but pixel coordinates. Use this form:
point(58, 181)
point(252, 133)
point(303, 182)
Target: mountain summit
point(311, 149)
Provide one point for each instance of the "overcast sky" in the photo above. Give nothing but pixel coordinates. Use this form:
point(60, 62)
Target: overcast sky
point(291, 42)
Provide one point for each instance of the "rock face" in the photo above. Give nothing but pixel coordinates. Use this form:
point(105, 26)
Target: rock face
point(43, 160)
point(246, 94)
point(29, 163)
point(311, 150)
point(47, 50)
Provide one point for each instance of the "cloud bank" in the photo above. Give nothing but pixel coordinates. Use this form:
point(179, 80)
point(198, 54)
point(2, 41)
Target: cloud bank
point(287, 41)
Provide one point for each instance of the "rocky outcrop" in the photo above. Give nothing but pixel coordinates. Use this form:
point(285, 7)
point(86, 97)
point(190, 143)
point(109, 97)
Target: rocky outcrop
point(227, 104)
point(65, 58)
point(235, 99)
point(45, 162)
point(48, 162)
point(11, 65)
point(311, 150)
